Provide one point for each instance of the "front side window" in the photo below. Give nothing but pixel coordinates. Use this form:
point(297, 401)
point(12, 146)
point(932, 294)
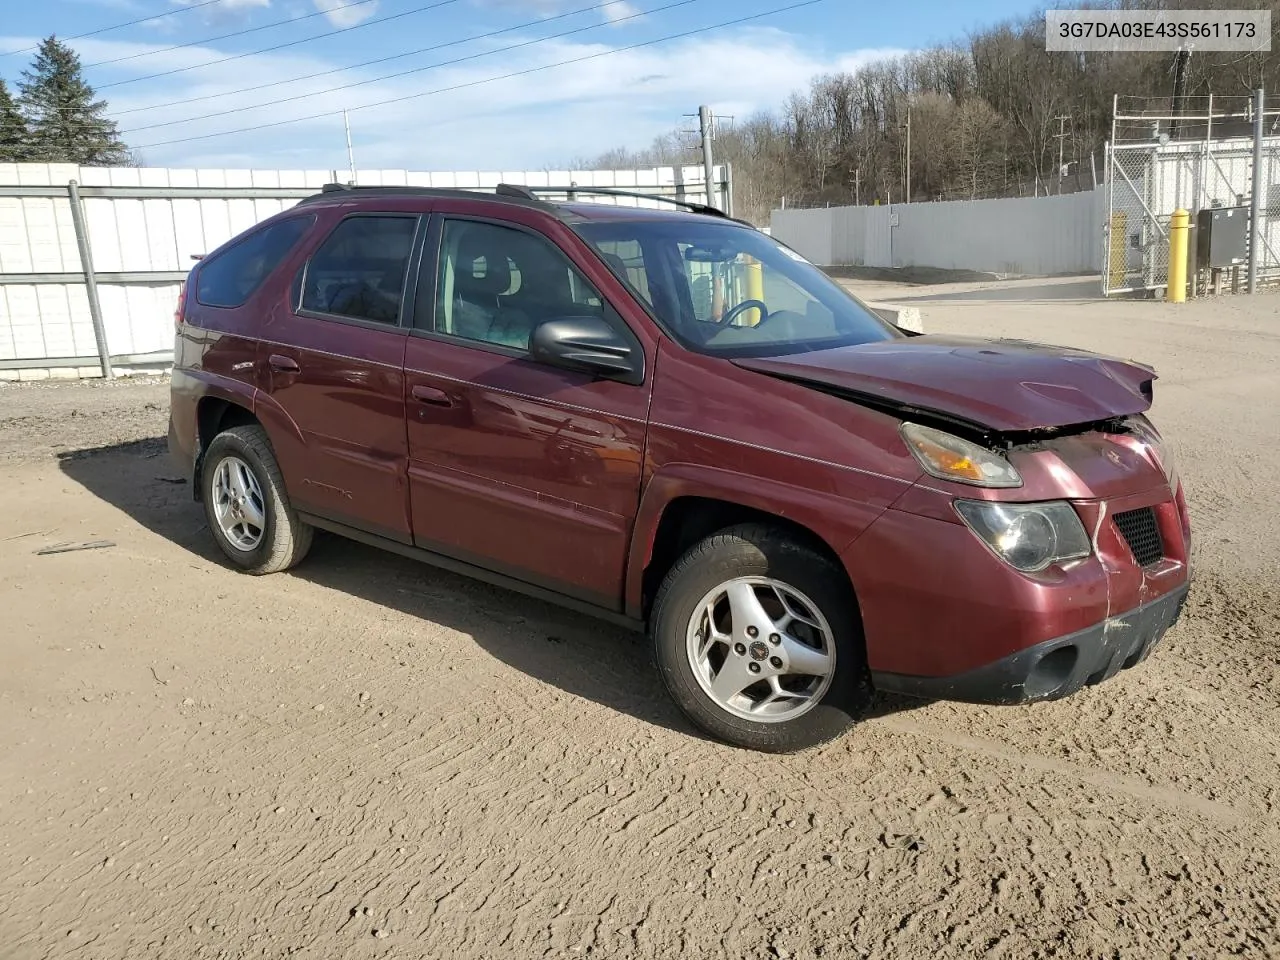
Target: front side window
point(359, 271)
point(228, 279)
point(725, 289)
point(496, 284)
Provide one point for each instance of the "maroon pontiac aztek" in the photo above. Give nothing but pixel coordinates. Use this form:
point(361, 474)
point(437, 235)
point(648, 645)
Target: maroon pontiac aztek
point(673, 421)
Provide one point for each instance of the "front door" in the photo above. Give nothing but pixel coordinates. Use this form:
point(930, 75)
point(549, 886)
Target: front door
point(334, 367)
point(524, 468)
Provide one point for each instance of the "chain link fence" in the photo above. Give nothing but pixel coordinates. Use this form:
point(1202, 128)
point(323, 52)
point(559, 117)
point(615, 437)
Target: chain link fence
point(1152, 175)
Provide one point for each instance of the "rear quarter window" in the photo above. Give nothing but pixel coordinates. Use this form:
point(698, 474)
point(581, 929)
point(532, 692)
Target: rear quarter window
point(230, 278)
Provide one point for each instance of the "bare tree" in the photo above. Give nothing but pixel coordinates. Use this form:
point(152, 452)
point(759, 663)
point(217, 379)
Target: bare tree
point(984, 118)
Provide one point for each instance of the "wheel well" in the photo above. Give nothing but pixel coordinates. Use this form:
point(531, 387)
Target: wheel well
point(686, 520)
point(214, 415)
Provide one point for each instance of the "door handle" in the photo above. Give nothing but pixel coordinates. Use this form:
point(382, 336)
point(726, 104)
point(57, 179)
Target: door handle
point(431, 395)
point(282, 364)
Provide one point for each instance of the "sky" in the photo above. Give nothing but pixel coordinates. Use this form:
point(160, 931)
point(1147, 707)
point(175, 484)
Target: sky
point(473, 84)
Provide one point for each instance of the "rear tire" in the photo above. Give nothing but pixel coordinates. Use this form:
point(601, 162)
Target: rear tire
point(757, 638)
point(246, 506)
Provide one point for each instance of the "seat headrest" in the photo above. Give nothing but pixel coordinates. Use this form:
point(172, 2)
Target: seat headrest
point(616, 262)
point(481, 266)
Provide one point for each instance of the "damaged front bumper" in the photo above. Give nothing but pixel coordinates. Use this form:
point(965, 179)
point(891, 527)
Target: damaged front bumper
point(1055, 668)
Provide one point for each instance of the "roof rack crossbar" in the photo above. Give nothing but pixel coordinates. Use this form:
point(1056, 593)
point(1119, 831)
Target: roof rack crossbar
point(532, 192)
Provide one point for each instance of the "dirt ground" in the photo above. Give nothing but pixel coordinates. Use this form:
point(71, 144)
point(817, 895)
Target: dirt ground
point(368, 758)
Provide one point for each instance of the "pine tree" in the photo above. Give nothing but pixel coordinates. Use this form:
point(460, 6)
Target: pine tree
point(15, 139)
point(67, 125)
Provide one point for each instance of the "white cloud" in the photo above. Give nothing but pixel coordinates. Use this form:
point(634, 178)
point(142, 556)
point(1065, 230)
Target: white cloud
point(622, 98)
point(225, 6)
point(618, 10)
point(234, 13)
point(347, 13)
point(612, 11)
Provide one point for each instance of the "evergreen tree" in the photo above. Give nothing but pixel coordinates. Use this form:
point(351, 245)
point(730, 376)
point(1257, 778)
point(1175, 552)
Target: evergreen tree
point(67, 125)
point(15, 139)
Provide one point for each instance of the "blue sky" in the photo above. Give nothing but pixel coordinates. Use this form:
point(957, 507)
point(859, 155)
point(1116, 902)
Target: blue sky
point(545, 118)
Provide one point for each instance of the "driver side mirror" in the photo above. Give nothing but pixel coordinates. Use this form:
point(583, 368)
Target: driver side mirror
point(588, 345)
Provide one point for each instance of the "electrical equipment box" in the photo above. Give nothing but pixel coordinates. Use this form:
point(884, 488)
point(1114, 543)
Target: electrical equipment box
point(1222, 236)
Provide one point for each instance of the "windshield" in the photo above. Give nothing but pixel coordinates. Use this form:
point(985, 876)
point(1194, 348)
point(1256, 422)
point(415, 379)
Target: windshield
point(726, 289)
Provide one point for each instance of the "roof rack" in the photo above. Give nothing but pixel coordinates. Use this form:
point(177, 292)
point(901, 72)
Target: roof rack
point(531, 193)
point(517, 193)
point(328, 191)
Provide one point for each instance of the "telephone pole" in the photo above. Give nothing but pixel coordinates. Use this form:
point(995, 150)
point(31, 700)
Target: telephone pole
point(351, 157)
point(1179, 90)
point(857, 186)
point(706, 124)
point(1061, 136)
point(907, 166)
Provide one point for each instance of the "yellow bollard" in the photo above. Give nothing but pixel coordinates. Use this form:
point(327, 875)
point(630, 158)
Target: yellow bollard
point(1118, 261)
point(755, 283)
point(1179, 228)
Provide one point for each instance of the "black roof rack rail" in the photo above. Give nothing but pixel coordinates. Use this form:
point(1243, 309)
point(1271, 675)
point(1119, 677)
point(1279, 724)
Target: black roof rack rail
point(328, 191)
point(515, 190)
point(532, 193)
point(516, 193)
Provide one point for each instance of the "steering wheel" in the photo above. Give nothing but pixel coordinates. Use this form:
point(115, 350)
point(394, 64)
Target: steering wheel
point(733, 312)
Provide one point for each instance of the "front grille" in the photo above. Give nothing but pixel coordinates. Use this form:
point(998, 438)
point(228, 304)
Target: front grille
point(1142, 534)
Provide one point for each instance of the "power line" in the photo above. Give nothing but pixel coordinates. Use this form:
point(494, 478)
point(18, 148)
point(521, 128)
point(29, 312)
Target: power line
point(477, 83)
point(278, 46)
point(228, 36)
point(423, 69)
point(366, 63)
point(120, 26)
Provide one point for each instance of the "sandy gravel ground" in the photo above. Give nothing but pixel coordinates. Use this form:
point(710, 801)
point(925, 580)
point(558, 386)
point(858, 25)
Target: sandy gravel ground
point(367, 758)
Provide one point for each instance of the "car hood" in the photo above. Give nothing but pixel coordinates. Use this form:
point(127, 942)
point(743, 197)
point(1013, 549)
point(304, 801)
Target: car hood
point(1001, 385)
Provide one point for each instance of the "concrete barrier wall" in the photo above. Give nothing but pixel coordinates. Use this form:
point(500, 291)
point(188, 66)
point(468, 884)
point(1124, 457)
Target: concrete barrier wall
point(1029, 236)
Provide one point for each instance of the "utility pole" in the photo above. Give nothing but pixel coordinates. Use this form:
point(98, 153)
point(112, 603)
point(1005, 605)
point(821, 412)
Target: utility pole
point(706, 124)
point(1179, 89)
point(1061, 136)
point(857, 186)
point(907, 170)
point(1255, 204)
point(351, 157)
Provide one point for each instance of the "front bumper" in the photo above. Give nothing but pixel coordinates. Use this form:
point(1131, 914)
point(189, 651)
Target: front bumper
point(1054, 668)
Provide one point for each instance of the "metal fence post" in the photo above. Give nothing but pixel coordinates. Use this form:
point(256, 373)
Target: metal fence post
point(90, 282)
point(1255, 202)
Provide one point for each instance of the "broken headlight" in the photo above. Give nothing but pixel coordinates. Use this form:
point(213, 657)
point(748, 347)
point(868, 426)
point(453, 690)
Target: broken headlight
point(949, 457)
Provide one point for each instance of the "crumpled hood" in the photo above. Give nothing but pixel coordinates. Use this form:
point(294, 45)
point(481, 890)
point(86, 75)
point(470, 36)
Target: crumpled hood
point(1003, 385)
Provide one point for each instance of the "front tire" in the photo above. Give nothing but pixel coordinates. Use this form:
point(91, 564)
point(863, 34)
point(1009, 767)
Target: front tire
point(245, 504)
point(758, 640)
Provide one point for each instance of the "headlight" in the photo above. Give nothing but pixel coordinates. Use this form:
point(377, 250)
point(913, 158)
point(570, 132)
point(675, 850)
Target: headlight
point(1027, 536)
point(1146, 431)
point(951, 458)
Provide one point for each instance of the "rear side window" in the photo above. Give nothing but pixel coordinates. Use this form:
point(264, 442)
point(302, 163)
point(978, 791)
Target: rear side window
point(230, 278)
point(359, 271)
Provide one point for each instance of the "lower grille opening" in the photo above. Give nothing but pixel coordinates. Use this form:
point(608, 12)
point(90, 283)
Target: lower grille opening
point(1142, 534)
point(1052, 672)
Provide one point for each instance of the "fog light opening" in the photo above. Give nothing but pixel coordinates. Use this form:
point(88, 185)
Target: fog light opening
point(1053, 671)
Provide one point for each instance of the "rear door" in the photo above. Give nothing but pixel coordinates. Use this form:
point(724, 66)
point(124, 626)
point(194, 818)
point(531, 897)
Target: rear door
point(523, 468)
point(333, 362)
